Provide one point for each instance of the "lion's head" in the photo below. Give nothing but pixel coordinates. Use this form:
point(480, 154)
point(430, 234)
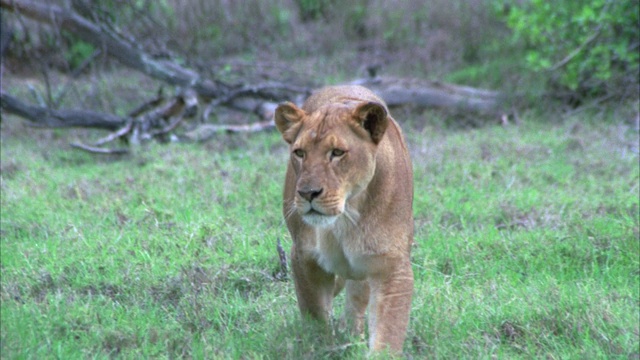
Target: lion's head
point(333, 155)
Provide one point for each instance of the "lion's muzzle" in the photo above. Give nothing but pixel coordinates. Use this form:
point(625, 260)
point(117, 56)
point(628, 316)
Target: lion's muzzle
point(313, 207)
point(309, 193)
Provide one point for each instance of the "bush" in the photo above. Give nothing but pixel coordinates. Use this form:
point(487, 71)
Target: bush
point(584, 46)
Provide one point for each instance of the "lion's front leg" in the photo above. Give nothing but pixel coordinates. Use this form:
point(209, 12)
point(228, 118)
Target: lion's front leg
point(357, 299)
point(389, 308)
point(314, 286)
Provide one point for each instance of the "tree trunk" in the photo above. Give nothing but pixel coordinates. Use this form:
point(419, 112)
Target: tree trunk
point(433, 94)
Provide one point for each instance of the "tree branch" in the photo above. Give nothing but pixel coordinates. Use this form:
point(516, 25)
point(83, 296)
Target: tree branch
point(45, 117)
point(167, 71)
point(98, 150)
point(403, 91)
point(162, 115)
point(115, 46)
point(207, 131)
point(576, 51)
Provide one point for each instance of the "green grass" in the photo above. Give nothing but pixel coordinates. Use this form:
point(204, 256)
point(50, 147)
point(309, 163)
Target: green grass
point(526, 247)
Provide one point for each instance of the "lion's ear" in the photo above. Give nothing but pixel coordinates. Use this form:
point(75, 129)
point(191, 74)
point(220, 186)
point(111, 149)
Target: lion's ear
point(373, 118)
point(288, 119)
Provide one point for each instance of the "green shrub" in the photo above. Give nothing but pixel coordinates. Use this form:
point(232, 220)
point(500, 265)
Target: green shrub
point(77, 52)
point(314, 9)
point(582, 45)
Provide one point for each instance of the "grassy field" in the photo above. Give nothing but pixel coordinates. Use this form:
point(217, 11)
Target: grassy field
point(526, 246)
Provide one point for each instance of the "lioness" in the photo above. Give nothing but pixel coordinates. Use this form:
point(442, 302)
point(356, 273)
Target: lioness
point(348, 198)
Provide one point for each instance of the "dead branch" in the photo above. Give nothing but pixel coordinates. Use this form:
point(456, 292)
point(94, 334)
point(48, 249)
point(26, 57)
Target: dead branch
point(163, 115)
point(98, 150)
point(117, 47)
point(433, 94)
point(46, 117)
point(207, 131)
point(155, 119)
point(144, 107)
point(283, 270)
point(395, 91)
point(74, 75)
point(131, 56)
point(115, 135)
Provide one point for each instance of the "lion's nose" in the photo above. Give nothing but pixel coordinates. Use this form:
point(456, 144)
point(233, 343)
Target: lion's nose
point(309, 193)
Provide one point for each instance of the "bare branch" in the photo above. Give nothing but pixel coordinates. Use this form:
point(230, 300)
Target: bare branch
point(136, 58)
point(148, 105)
point(114, 135)
point(115, 46)
point(403, 91)
point(281, 274)
point(172, 125)
point(62, 93)
point(98, 150)
point(45, 117)
point(576, 51)
point(163, 115)
point(207, 131)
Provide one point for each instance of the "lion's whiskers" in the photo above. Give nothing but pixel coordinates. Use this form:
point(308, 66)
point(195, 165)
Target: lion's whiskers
point(291, 209)
point(353, 216)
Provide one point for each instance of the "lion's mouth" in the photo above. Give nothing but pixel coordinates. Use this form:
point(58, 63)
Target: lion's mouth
point(316, 218)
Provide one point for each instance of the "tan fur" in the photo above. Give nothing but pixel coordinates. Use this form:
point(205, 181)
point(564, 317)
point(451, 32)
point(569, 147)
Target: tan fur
point(348, 205)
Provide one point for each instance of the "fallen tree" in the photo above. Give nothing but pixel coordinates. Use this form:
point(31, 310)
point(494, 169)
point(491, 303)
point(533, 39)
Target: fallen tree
point(158, 118)
point(398, 91)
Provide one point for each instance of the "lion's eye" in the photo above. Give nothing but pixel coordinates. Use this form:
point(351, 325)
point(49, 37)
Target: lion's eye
point(337, 153)
point(299, 153)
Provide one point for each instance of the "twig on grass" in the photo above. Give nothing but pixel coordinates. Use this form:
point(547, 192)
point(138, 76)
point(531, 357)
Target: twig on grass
point(342, 348)
point(207, 131)
point(282, 273)
point(114, 135)
point(98, 150)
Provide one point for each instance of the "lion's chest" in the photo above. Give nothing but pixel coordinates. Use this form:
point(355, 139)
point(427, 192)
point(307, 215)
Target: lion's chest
point(334, 251)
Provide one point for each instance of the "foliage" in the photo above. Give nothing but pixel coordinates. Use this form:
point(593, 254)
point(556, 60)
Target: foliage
point(77, 52)
point(314, 9)
point(583, 44)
